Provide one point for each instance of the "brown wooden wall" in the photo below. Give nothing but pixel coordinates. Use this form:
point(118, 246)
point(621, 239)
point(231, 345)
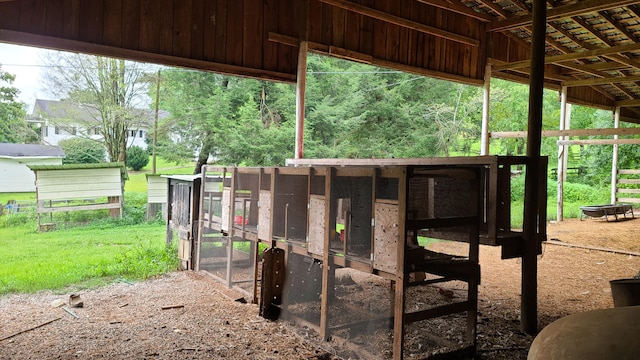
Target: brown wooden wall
point(387, 42)
point(233, 36)
point(195, 33)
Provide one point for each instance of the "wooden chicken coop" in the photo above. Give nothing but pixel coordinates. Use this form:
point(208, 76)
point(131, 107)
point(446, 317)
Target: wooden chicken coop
point(288, 237)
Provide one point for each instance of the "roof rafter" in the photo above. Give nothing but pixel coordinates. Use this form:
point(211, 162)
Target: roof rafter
point(459, 9)
point(400, 21)
point(579, 8)
point(574, 56)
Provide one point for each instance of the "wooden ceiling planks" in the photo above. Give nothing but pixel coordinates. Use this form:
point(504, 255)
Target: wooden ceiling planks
point(174, 32)
point(259, 38)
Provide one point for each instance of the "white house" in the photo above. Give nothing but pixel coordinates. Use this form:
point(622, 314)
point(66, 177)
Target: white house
point(60, 120)
point(15, 175)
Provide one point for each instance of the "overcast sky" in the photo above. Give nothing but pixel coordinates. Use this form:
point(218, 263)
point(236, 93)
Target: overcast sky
point(23, 62)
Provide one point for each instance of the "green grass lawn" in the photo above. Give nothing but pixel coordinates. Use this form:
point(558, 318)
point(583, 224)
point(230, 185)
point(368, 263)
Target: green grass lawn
point(81, 257)
point(29, 196)
point(138, 180)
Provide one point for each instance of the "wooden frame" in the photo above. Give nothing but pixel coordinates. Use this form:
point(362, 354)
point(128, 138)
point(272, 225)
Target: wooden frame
point(382, 196)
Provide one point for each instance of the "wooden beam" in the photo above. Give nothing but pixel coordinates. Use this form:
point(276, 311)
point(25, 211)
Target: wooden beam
point(47, 42)
point(602, 81)
point(572, 56)
point(529, 283)
point(400, 21)
point(627, 103)
point(579, 8)
point(600, 142)
point(356, 56)
point(570, 132)
point(495, 7)
point(613, 22)
point(459, 9)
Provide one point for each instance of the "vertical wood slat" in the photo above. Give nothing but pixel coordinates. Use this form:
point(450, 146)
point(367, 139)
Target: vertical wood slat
point(401, 280)
point(270, 48)
point(91, 21)
point(155, 26)
point(352, 31)
point(210, 22)
point(182, 27)
point(327, 24)
point(11, 11)
point(130, 31)
point(287, 55)
point(54, 12)
point(425, 43)
point(339, 23)
point(147, 21)
point(220, 39)
point(164, 28)
point(112, 34)
point(32, 16)
point(235, 9)
point(197, 29)
point(252, 36)
point(366, 30)
point(403, 36)
point(393, 33)
point(379, 35)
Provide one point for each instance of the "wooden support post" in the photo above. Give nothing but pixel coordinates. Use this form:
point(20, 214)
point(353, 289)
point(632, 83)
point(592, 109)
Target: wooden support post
point(400, 278)
point(529, 294)
point(614, 159)
point(486, 97)
point(561, 152)
point(303, 34)
point(232, 211)
point(329, 231)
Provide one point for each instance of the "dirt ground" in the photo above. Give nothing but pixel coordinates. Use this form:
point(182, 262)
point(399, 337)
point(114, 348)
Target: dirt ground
point(123, 320)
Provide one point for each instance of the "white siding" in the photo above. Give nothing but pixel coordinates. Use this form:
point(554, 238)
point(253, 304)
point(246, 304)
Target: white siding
point(157, 190)
point(15, 176)
point(78, 183)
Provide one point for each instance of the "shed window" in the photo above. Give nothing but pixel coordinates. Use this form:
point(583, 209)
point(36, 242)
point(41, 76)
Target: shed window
point(140, 133)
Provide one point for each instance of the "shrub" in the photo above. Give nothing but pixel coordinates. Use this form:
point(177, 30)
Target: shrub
point(137, 158)
point(82, 151)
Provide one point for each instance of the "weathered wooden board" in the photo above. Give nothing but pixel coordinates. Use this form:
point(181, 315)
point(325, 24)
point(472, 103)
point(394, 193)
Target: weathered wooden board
point(226, 206)
point(386, 237)
point(316, 224)
point(264, 215)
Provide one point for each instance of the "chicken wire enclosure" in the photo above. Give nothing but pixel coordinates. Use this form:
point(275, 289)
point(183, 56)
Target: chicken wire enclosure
point(356, 253)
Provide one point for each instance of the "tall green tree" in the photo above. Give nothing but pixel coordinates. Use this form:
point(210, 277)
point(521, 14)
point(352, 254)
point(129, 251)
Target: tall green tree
point(13, 127)
point(114, 91)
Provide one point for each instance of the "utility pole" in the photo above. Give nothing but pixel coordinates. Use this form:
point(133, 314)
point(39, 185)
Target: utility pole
point(155, 125)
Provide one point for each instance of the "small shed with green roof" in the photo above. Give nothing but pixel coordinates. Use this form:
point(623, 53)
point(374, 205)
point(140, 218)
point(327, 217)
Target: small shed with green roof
point(78, 187)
